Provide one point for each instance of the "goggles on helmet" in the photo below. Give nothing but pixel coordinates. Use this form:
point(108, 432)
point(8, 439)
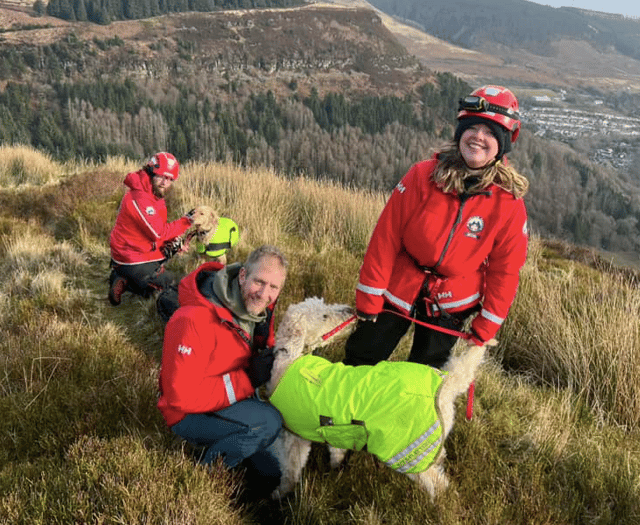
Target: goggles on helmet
point(479, 104)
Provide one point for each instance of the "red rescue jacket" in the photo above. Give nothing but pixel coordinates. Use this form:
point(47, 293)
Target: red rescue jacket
point(141, 226)
point(465, 250)
point(205, 354)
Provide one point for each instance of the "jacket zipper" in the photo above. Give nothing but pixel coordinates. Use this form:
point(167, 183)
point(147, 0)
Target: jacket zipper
point(456, 223)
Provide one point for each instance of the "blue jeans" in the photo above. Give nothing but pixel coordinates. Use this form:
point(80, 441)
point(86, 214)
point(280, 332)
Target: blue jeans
point(237, 433)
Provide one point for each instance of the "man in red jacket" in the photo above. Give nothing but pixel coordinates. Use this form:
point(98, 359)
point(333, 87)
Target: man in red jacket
point(218, 349)
point(141, 236)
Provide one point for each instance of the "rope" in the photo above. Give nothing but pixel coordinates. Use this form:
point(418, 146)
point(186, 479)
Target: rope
point(449, 331)
point(339, 327)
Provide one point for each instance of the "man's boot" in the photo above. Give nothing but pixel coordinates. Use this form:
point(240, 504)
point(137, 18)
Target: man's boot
point(117, 288)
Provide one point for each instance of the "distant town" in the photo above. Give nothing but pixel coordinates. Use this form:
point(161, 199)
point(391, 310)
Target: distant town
point(553, 118)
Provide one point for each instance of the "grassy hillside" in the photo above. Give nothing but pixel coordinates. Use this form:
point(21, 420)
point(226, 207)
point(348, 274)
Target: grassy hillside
point(555, 433)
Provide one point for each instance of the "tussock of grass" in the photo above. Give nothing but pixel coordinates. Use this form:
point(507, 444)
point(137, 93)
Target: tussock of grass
point(555, 436)
point(575, 327)
point(26, 166)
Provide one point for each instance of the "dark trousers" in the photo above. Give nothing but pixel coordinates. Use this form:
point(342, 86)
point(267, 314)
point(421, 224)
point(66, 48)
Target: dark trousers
point(167, 303)
point(241, 435)
point(144, 278)
point(372, 342)
point(235, 433)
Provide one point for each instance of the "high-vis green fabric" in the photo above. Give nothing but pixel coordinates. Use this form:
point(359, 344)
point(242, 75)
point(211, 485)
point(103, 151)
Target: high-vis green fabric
point(225, 237)
point(389, 407)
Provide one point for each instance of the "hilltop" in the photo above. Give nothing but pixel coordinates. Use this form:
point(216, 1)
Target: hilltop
point(519, 43)
point(326, 47)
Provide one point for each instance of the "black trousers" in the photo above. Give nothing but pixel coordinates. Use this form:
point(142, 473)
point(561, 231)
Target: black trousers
point(144, 278)
point(372, 342)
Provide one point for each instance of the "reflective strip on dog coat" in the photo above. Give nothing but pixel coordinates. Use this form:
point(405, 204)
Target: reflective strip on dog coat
point(389, 407)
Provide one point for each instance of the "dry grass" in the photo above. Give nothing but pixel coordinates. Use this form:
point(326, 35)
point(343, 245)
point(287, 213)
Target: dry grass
point(582, 332)
point(554, 438)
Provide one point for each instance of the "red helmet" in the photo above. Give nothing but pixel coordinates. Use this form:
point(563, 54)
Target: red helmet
point(164, 164)
point(494, 103)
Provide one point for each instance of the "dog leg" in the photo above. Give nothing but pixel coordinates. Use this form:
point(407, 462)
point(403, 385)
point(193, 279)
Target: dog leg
point(434, 480)
point(336, 456)
point(292, 453)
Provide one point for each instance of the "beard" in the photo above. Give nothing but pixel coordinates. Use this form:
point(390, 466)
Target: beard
point(158, 191)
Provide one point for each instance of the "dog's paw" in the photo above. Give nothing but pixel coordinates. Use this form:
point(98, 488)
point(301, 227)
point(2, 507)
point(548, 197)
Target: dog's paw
point(434, 480)
point(282, 490)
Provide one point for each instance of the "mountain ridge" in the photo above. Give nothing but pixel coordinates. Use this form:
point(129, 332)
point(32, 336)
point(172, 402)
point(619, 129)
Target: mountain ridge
point(573, 63)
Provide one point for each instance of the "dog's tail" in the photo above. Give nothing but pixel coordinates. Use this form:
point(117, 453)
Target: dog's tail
point(462, 369)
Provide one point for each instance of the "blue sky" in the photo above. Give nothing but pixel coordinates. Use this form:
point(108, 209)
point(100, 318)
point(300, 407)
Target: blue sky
point(622, 7)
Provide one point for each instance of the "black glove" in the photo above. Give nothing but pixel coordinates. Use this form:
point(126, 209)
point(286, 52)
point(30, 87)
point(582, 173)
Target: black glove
point(259, 370)
point(170, 248)
point(189, 215)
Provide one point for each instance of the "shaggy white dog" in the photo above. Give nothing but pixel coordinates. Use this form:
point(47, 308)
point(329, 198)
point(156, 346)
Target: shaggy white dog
point(311, 324)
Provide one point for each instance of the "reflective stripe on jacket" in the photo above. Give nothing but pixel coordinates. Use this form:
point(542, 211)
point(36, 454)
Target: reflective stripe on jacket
point(389, 407)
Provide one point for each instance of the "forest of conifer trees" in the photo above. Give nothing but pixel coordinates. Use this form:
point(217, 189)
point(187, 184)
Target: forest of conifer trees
point(106, 11)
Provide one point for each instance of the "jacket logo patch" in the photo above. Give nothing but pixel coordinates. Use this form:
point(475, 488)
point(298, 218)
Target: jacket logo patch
point(185, 350)
point(150, 210)
point(475, 225)
point(445, 295)
point(400, 187)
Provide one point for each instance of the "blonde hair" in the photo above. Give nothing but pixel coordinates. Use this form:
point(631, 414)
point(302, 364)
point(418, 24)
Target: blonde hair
point(451, 172)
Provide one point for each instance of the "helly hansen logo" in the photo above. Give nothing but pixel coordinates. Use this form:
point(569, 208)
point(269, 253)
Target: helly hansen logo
point(400, 187)
point(184, 350)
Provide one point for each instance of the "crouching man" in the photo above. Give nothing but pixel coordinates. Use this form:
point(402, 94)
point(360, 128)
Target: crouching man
point(218, 348)
point(141, 235)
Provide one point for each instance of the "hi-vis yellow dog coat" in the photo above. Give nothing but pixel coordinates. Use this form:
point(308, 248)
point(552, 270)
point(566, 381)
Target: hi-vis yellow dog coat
point(389, 407)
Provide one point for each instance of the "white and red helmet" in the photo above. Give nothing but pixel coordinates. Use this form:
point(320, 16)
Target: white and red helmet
point(494, 103)
point(164, 164)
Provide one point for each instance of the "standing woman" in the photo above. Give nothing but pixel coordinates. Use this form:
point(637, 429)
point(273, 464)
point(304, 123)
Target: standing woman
point(449, 243)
